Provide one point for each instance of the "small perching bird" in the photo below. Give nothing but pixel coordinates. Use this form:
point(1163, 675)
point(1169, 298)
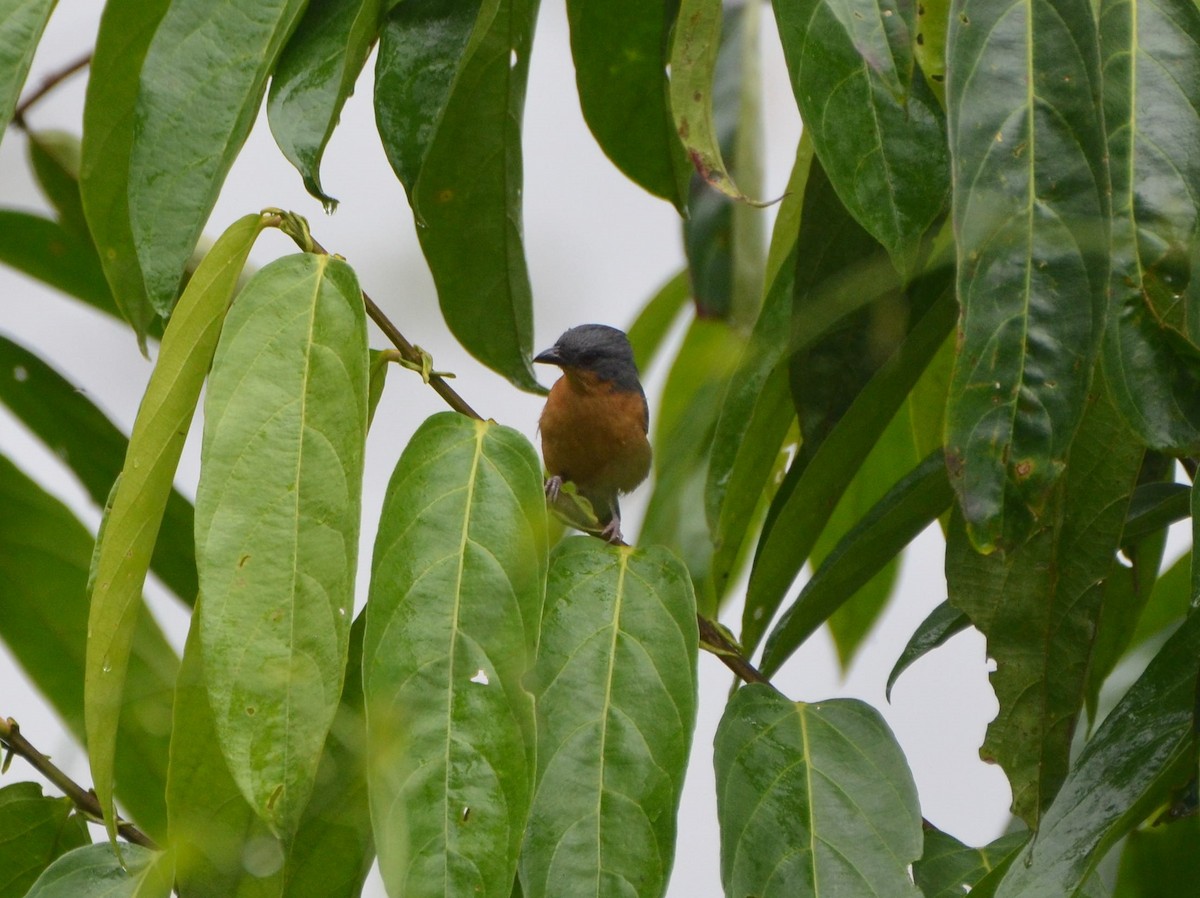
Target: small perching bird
point(595, 421)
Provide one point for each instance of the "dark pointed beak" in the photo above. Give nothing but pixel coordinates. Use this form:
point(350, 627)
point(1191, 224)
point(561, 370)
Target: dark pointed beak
point(549, 357)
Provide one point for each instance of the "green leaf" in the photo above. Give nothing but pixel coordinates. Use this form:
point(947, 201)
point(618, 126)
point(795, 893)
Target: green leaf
point(21, 26)
point(1038, 604)
point(908, 508)
point(377, 374)
point(1139, 752)
point(449, 92)
point(1169, 602)
point(201, 86)
point(1030, 211)
point(615, 689)
point(54, 157)
point(948, 868)
point(44, 560)
point(654, 321)
point(126, 28)
point(801, 513)
point(813, 800)
point(1154, 507)
point(34, 830)
point(221, 846)
point(277, 521)
point(620, 49)
point(1160, 861)
point(942, 623)
point(131, 525)
point(314, 78)
point(879, 132)
point(47, 251)
point(456, 597)
point(929, 44)
point(1151, 104)
point(97, 871)
point(82, 437)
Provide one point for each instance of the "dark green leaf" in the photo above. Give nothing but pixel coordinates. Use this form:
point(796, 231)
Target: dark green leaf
point(141, 493)
point(1160, 861)
point(1168, 604)
point(650, 328)
point(879, 132)
point(201, 86)
point(620, 48)
point(377, 373)
point(54, 158)
point(1030, 215)
point(449, 92)
point(1037, 604)
point(1139, 753)
point(83, 438)
point(943, 622)
point(314, 78)
point(908, 508)
point(615, 690)
point(948, 868)
point(126, 29)
point(34, 830)
point(813, 800)
point(96, 871)
point(45, 250)
point(456, 597)
point(21, 26)
point(44, 560)
point(1151, 103)
point(277, 521)
point(1155, 506)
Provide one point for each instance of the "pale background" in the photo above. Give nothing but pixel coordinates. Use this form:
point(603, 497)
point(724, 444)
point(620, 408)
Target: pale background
point(598, 246)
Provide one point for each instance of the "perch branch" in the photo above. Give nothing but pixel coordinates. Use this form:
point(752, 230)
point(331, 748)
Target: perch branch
point(53, 80)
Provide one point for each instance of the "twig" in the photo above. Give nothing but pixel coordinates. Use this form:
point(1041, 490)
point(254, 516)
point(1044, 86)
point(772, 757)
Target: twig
point(84, 799)
point(48, 84)
point(713, 640)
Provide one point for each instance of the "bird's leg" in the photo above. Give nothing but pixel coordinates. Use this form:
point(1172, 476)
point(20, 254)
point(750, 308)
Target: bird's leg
point(553, 487)
point(612, 530)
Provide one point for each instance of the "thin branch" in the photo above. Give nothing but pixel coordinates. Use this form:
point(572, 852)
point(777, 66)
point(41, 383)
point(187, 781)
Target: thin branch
point(51, 81)
point(84, 799)
point(713, 639)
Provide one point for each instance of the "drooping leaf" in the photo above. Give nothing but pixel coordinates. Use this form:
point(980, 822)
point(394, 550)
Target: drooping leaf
point(621, 51)
point(140, 497)
point(449, 92)
point(96, 871)
point(908, 507)
point(1037, 605)
point(650, 328)
point(813, 800)
point(54, 157)
point(453, 615)
point(939, 626)
point(200, 88)
point(1138, 754)
point(21, 26)
point(948, 868)
point(1030, 217)
point(1160, 861)
point(34, 830)
point(1152, 112)
point(615, 691)
point(314, 78)
point(84, 439)
point(45, 250)
point(878, 131)
point(126, 28)
point(277, 521)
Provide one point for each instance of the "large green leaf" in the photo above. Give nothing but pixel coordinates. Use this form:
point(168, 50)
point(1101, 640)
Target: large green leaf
point(1160, 861)
point(141, 493)
point(908, 507)
point(34, 830)
point(877, 130)
point(948, 868)
point(44, 559)
point(277, 521)
point(813, 800)
point(201, 85)
point(615, 688)
point(1144, 748)
point(1037, 605)
point(1152, 111)
point(21, 26)
point(47, 251)
point(456, 598)
point(620, 49)
point(82, 437)
point(314, 78)
point(97, 871)
point(1030, 217)
point(126, 28)
point(449, 92)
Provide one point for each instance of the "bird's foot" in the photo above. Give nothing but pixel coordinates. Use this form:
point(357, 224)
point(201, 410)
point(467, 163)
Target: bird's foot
point(553, 487)
point(612, 531)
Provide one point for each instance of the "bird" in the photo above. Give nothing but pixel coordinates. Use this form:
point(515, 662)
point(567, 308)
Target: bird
point(596, 420)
